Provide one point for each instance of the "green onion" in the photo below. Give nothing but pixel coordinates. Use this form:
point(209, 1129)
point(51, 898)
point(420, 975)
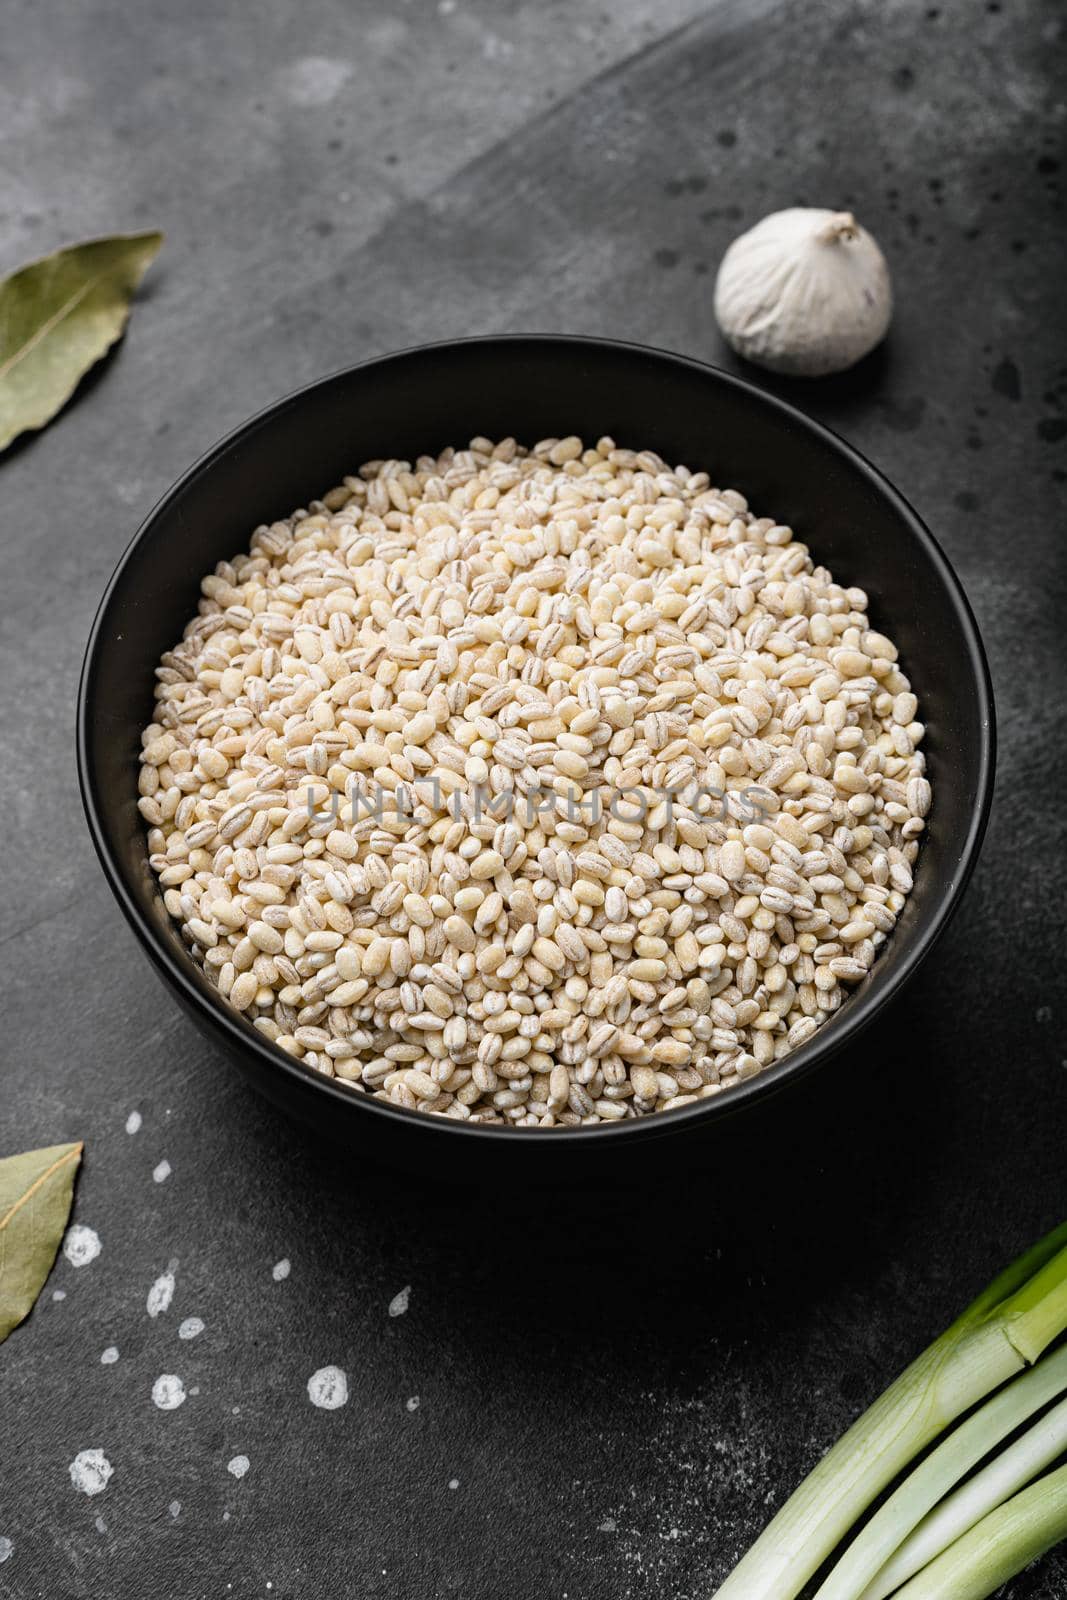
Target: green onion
point(1001, 1333)
point(940, 1471)
point(998, 1547)
point(1038, 1448)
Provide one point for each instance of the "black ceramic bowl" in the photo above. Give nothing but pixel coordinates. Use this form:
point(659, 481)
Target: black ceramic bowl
point(533, 387)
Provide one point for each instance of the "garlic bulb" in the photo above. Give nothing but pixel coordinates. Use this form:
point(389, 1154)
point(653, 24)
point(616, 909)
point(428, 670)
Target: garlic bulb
point(805, 292)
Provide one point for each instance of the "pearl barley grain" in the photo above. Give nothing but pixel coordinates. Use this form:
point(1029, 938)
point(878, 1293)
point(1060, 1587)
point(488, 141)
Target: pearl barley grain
point(533, 787)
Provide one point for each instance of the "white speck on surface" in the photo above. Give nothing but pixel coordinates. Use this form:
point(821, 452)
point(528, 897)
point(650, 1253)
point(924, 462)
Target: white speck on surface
point(168, 1392)
point(446, 7)
point(109, 1356)
point(226, 1518)
point(81, 1245)
point(100, 1525)
point(385, 35)
point(161, 1294)
point(609, 1525)
point(281, 1269)
point(59, 1294)
point(314, 80)
point(236, 1411)
point(496, 49)
point(328, 1388)
point(133, 1122)
point(190, 1328)
point(413, 1403)
point(453, 1483)
point(7, 1549)
point(400, 1302)
point(90, 1471)
point(161, 1173)
point(238, 1466)
point(175, 1508)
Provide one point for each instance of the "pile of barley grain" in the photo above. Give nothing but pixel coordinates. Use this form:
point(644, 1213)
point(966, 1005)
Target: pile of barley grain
point(334, 785)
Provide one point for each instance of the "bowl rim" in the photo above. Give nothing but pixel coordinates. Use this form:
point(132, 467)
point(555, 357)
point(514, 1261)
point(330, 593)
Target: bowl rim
point(860, 1011)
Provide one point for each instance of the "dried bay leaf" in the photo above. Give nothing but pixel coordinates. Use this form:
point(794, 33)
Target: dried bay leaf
point(57, 317)
point(36, 1189)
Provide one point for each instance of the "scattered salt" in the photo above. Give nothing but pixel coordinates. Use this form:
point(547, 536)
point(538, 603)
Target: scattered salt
point(328, 1388)
point(90, 1471)
point(161, 1293)
point(81, 1245)
point(168, 1392)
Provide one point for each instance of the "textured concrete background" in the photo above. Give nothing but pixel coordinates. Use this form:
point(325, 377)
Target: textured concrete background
point(613, 1390)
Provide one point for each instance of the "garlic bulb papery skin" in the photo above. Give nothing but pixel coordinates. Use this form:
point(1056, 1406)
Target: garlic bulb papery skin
point(804, 292)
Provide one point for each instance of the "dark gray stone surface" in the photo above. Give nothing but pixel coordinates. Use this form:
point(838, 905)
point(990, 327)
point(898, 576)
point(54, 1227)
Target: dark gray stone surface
point(614, 1390)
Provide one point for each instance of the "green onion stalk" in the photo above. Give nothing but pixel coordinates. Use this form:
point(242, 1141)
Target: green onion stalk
point(999, 1336)
point(999, 1546)
point(922, 1490)
point(1008, 1472)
